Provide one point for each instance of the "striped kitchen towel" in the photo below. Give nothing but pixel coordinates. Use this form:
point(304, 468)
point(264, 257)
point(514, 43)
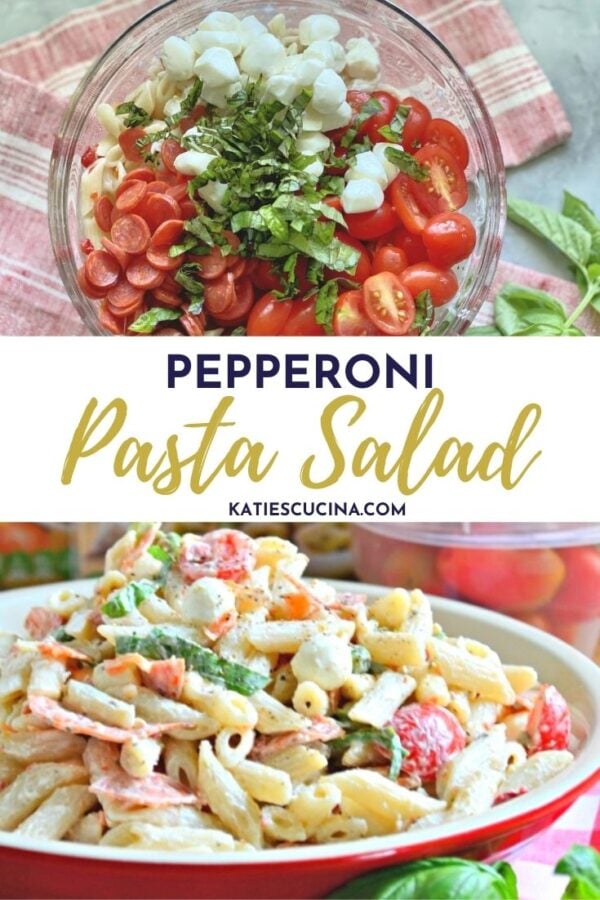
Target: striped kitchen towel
point(38, 73)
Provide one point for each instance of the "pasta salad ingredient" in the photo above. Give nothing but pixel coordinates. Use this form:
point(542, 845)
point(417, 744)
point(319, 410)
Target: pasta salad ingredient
point(207, 685)
point(266, 160)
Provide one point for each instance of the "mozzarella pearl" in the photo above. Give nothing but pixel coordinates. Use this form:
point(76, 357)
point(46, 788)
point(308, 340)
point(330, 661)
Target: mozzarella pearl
point(379, 151)
point(193, 162)
point(339, 118)
point(178, 58)
point(228, 40)
point(362, 59)
point(264, 56)
point(220, 21)
point(361, 195)
point(330, 53)
point(315, 168)
point(283, 87)
point(206, 600)
point(216, 67)
point(329, 91)
point(317, 28)
point(367, 165)
point(213, 194)
point(312, 142)
point(324, 659)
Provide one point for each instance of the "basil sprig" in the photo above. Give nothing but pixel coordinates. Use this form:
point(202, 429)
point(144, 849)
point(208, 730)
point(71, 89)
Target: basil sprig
point(582, 864)
point(128, 598)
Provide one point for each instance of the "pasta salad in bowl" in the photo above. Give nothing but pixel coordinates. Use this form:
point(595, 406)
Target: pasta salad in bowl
point(305, 171)
point(202, 703)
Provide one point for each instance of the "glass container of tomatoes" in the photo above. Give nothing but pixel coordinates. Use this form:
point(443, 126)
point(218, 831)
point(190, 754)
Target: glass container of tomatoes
point(545, 574)
point(414, 64)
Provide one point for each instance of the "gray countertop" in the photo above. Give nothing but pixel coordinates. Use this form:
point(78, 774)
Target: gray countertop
point(564, 35)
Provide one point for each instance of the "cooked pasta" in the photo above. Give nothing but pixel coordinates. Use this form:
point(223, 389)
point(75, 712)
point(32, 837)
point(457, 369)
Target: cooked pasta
point(184, 706)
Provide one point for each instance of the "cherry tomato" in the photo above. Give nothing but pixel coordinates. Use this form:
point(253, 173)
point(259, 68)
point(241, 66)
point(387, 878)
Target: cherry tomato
point(448, 135)
point(356, 99)
point(417, 121)
point(412, 566)
point(224, 553)
point(268, 316)
point(389, 258)
point(549, 722)
point(302, 320)
point(371, 127)
point(449, 238)
point(442, 284)
point(430, 734)
point(446, 187)
point(388, 304)
point(373, 224)
point(412, 244)
point(578, 598)
point(334, 202)
point(405, 205)
point(266, 277)
point(508, 580)
point(363, 266)
point(350, 318)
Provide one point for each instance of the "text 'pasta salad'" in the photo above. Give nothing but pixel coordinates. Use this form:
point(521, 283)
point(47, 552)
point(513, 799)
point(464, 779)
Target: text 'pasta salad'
point(207, 697)
point(262, 180)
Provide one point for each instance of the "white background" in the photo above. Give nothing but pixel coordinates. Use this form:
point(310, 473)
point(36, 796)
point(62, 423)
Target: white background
point(47, 384)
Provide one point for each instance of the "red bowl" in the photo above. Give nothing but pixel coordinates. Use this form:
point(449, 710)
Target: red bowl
point(34, 868)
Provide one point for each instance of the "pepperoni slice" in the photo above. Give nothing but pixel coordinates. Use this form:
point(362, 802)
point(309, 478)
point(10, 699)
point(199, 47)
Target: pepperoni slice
point(131, 233)
point(108, 321)
point(120, 255)
point(128, 143)
point(141, 174)
point(243, 302)
point(124, 295)
point(219, 294)
point(169, 284)
point(157, 187)
point(102, 210)
point(167, 233)
point(194, 325)
point(178, 192)
point(87, 288)
point(169, 152)
point(131, 198)
point(160, 259)
point(211, 266)
point(142, 275)
point(102, 270)
point(129, 313)
point(167, 298)
point(188, 209)
point(160, 208)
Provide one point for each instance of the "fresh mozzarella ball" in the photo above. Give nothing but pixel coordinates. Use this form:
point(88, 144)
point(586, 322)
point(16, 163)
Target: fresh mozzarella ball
point(146, 566)
point(264, 56)
point(213, 193)
point(193, 162)
point(361, 195)
point(330, 53)
point(329, 91)
point(315, 168)
point(367, 165)
point(312, 142)
point(216, 67)
point(178, 58)
point(251, 28)
point(206, 600)
point(277, 25)
point(228, 40)
point(139, 756)
point(390, 169)
point(362, 59)
point(220, 21)
point(311, 119)
point(324, 659)
point(218, 96)
point(339, 118)
point(283, 87)
point(318, 28)
point(172, 107)
point(307, 69)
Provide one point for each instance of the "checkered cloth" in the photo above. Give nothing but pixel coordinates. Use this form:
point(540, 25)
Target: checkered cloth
point(39, 72)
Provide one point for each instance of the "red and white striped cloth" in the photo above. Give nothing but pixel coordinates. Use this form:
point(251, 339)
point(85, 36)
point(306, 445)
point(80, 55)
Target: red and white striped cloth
point(38, 73)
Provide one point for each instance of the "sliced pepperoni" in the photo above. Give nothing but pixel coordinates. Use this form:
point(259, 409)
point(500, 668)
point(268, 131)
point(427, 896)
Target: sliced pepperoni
point(167, 332)
point(157, 187)
point(86, 287)
point(131, 198)
point(321, 729)
point(160, 208)
point(233, 241)
point(142, 275)
point(120, 255)
point(219, 294)
point(169, 284)
point(167, 298)
point(116, 214)
point(131, 233)
point(188, 209)
point(166, 677)
point(153, 791)
point(212, 265)
point(108, 321)
point(194, 325)
point(141, 174)
point(124, 296)
point(128, 144)
point(128, 315)
point(167, 233)
point(40, 621)
point(102, 210)
point(241, 306)
point(169, 152)
point(101, 269)
point(52, 649)
point(178, 192)
point(160, 259)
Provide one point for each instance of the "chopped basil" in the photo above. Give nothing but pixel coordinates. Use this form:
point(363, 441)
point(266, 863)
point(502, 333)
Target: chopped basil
point(326, 298)
point(161, 643)
point(134, 115)
point(368, 109)
point(406, 163)
point(394, 131)
point(385, 737)
point(59, 634)
point(424, 313)
point(361, 659)
point(147, 322)
point(128, 598)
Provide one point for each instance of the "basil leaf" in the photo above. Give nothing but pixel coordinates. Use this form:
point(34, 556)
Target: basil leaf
point(368, 109)
point(518, 308)
point(565, 234)
point(134, 115)
point(326, 298)
point(191, 99)
point(189, 243)
point(385, 737)
point(424, 312)
point(147, 322)
point(163, 644)
point(406, 163)
point(483, 331)
point(361, 659)
point(128, 599)
point(59, 634)
point(394, 131)
point(582, 864)
point(580, 212)
point(167, 554)
point(441, 878)
point(188, 276)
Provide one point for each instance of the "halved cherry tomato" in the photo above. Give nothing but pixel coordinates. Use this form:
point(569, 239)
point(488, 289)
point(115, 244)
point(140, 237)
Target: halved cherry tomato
point(389, 258)
point(549, 722)
point(388, 303)
point(417, 121)
point(334, 202)
point(578, 598)
point(389, 105)
point(189, 121)
point(268, 316)
point(412, 244)
point(350, 318)
point(430, 734)
point(128, 143)
point(442, 284)
point(405, 205)
point(266, 277)
point(449, 238)
point(363, 266)
point(102, 210)
point(169, 151)
point(243, 302)
point(88, 157)
point(219, 294)
point(448, 135)
point(302, 321)
point(356, 99)
point(446, 187)
point(370, 225)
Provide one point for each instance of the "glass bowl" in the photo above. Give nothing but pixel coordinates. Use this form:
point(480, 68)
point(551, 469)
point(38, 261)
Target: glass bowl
point(547, 575)
point(413, 60)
